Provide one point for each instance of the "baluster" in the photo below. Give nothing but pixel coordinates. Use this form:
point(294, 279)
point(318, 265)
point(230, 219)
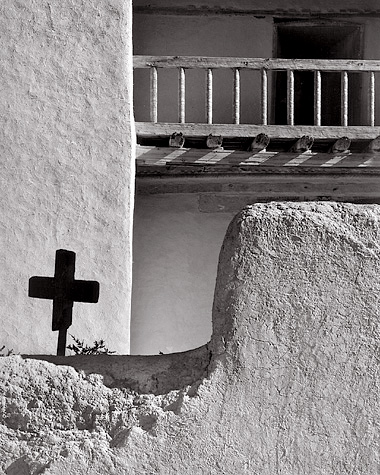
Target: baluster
point(153, 94)
point(317, 97)
point(236, 96)
point(372, 99)
point(344, 98)
point(181, 102)
point(209, 96)
point(264, 97)
point(290, 97)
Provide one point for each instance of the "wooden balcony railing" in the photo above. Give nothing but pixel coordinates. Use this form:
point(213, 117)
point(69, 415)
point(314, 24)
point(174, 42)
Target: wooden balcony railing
point(368, 68)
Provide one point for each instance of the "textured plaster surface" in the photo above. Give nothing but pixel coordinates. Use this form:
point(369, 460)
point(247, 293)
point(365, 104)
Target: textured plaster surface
point(66, 165)
point(292, 386)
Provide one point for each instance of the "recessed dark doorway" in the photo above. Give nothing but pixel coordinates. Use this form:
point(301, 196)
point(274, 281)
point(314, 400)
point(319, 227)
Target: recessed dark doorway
point(306, 40)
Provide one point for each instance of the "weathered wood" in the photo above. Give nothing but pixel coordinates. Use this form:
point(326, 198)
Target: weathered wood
point(290, 98)
point(214, 141)
point(252, 9)
point(328, 183)
point(303, 144)
point(147, 129)
point(371, 99)
point(260, 142)
point(177, 140)
point(317, 98)
point(264, 97)
point(182, 95)
point(153, 95)
point(199, 62)
point(342, 145)
point(182, 161)
point(236, 96)
point(374, 146)
point(344, 99)
point(209, 104)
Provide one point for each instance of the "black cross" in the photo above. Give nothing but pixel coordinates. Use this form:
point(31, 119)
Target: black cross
point(64, 290)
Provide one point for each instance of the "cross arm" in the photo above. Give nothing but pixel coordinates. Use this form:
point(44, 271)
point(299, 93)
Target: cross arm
point(41, 287)
point(85, 291)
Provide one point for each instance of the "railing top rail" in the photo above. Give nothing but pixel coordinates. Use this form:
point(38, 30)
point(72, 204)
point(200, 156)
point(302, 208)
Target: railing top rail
point(199, 62)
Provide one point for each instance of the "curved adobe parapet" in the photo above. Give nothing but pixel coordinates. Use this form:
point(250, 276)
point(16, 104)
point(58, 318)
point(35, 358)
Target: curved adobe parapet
point(297, 278)
point(293, 382)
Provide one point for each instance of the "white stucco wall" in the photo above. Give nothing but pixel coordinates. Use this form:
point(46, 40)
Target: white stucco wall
point(66, 167)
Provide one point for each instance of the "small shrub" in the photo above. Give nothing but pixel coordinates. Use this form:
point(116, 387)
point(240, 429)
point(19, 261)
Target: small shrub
point(80, 348)
point(4, 352)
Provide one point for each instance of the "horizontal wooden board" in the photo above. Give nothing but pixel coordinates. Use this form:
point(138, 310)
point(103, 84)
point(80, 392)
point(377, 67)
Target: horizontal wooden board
point(226, 192)
point(200, 62)
point(150, 129)
point(164, 157)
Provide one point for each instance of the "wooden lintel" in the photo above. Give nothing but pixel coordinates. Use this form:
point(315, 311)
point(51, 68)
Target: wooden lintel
point(266, 187)
point(150, 129)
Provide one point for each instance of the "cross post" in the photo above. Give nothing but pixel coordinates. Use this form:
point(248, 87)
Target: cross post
point(64, 290)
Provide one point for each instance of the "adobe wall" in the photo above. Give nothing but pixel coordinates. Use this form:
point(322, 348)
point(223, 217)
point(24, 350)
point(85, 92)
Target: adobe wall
point(288, 384)
point(67, 167)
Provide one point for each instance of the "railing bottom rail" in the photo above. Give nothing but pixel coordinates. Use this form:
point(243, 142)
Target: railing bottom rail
point(149, 129)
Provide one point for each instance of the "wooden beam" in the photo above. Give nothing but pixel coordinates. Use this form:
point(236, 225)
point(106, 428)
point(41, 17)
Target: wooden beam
point(214, 141)
point(267, 186)
point(342, 145)
point(303, 144)
point(194, 161)
point(374, 146)
point(252, 9)
point(260, 142)
point(147, 129)
point(177, 140)
point(199, 62)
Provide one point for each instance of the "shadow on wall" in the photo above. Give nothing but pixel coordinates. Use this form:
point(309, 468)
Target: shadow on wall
point(156, 374)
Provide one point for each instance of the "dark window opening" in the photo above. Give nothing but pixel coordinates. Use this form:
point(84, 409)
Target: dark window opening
point(317, 41)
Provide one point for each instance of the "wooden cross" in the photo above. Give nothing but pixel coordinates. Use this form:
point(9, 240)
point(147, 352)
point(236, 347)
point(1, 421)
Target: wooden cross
point(64, 290)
